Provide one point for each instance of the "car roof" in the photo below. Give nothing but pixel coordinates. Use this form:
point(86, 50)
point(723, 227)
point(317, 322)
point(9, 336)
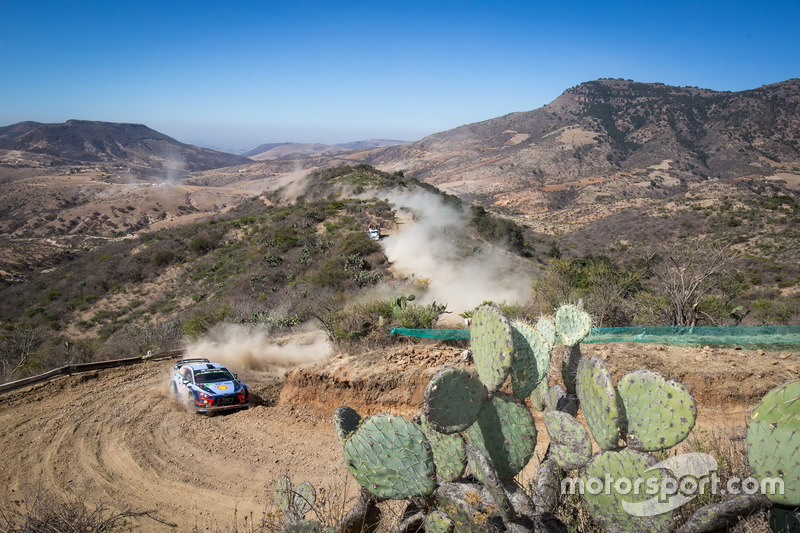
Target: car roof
point(204, 366)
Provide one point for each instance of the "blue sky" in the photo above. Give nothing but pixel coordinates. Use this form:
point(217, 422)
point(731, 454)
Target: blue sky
point(237, 74)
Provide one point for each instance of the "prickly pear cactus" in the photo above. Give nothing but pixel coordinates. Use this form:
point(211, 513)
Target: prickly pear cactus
point(438, 522)
point(531, 361)
point(448, 451)
point(283, 494)
point(482, 468)
point(570, 445)
point(613, 502)
point(453, 399)
point(547, 327)
point(305, 497)
point(773, 441)
point(539, 395)
point(492, 344)
point(391, 457)
point(599, 402)
point(555, 394)
point(572, 324)
point(505, 432)
point(346, 421)
point(557, 399)
point(659, 413)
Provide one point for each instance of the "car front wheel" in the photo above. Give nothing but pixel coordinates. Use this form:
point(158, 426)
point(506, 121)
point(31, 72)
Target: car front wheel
point(190, 403)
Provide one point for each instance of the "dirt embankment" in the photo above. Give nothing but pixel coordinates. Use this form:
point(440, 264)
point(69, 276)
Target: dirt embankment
point(116, 436)
point(719, 378)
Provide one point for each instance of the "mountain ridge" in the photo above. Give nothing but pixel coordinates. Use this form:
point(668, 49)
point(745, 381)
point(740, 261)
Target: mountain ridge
point(107, 142)
point(600, 128)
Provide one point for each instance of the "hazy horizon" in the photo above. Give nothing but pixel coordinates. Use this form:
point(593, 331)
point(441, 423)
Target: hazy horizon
point(251, 73)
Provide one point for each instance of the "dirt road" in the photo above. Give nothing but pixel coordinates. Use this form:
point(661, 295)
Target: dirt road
point(117, 437)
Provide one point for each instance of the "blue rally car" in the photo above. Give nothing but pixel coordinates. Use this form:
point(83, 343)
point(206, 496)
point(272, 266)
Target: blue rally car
point(207, 386)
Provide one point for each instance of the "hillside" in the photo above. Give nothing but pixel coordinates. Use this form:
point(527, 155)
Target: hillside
point(601, 130)
point(105, 142)
point(269, 264)
point(606, 143)
point(272, 151)
point(621, 170)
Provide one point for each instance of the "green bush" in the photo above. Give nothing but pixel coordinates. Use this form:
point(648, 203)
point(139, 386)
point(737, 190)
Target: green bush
point(162, 257)
point(203, 243)
point(358, 243)
point(332, 273)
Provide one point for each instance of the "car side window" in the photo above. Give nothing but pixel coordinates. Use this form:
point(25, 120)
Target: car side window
point(186, 374)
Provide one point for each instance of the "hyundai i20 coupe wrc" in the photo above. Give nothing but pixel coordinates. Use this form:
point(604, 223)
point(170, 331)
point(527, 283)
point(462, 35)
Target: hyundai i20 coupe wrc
point(207, 386)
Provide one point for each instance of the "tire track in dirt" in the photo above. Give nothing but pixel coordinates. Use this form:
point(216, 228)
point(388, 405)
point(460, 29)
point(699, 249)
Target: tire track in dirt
point(121, 440)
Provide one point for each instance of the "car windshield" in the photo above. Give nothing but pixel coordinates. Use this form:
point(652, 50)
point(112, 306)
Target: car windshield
point(212, 376)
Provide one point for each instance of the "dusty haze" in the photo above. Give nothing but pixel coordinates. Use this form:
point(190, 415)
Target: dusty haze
point(426, 248)
point(246, 349)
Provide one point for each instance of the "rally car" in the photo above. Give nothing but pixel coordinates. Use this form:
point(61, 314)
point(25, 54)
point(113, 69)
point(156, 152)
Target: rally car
point(207, 386)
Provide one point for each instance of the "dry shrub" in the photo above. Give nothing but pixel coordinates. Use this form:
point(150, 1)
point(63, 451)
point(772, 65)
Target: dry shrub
point(43, 512)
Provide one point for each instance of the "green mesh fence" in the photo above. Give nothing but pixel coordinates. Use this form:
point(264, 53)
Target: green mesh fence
point(745, 336)
point(449, 334)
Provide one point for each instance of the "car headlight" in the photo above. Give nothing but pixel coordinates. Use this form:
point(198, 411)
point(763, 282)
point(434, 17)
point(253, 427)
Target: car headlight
point(203, 398)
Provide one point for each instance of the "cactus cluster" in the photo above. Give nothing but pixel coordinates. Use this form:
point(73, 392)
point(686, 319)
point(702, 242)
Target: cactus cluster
point(401, 302)
point(465, 420)
point(458, 459)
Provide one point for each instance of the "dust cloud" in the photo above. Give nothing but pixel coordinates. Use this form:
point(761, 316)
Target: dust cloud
point(293, 184)
point(245, 348)
point(426, 245)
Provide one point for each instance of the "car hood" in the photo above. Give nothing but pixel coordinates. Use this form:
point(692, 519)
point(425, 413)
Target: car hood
point(220, 388)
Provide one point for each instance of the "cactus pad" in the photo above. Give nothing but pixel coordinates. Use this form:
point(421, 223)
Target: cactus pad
point(391, 457)
point(547, 327)
point(600, 404)
point(346, 421)
point(482, 468)
point(492, 345)
point(555, 394)
point(539, 395)
point(448, 451)
point(304, 498)
point(773, 441)
point(531, 361)
point(453, 399)
point(438, 522)
point(609, 480)
point(506, 432)
point(283, 494)
point(572, 324)
point(570, 445)
point(557, 399)
point(659, 413)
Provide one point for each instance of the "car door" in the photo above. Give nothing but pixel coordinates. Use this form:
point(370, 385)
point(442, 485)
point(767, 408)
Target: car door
point(185, 380)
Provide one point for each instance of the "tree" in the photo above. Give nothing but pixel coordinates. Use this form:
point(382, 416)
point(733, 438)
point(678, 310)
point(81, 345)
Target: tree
point(17, 348)
point(682, 278)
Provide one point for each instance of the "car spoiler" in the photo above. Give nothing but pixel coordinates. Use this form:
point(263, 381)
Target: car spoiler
point(182, 362)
